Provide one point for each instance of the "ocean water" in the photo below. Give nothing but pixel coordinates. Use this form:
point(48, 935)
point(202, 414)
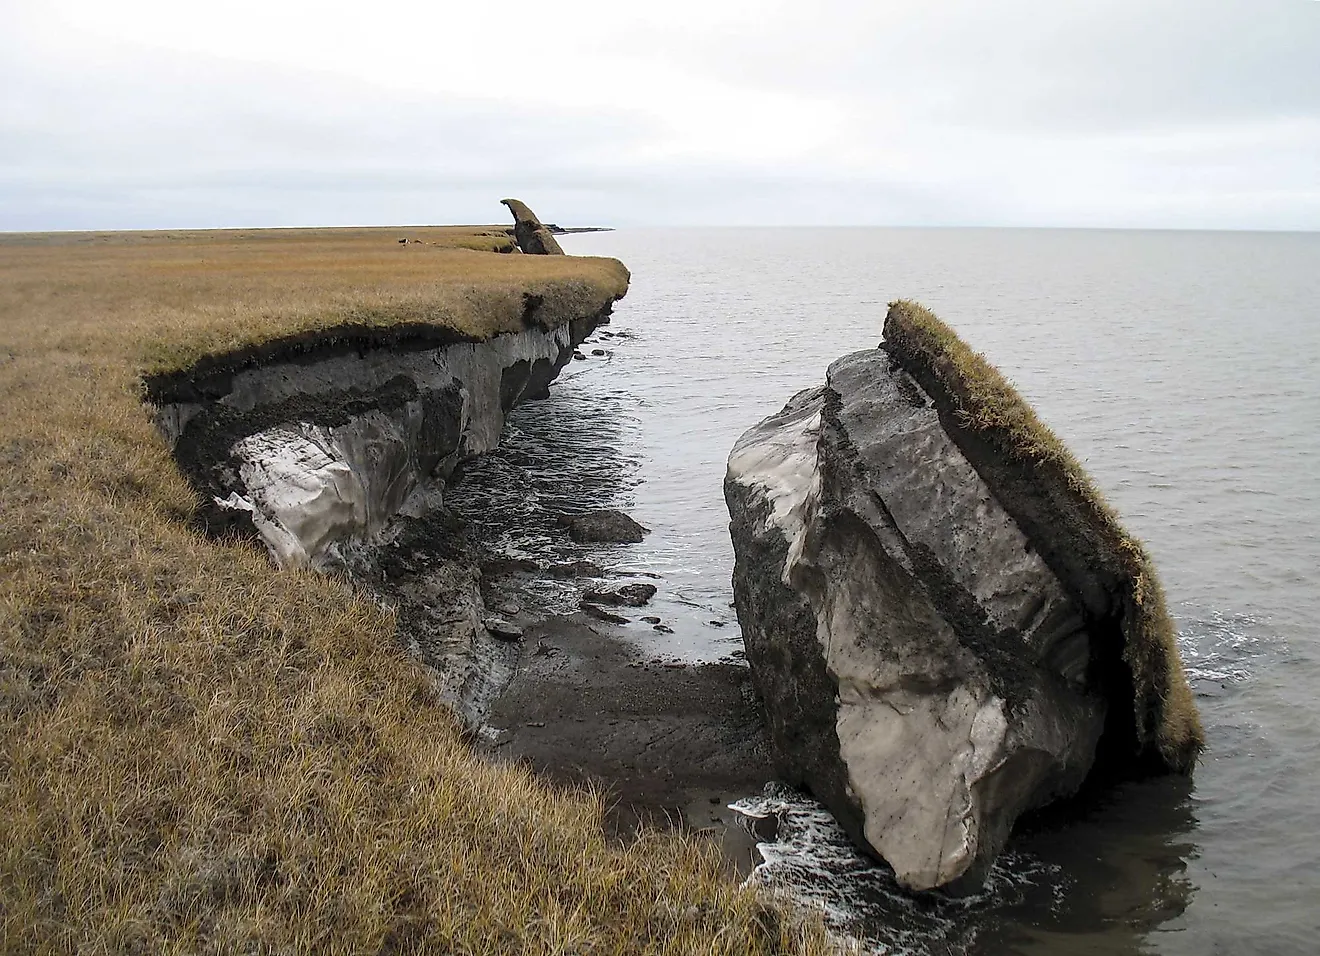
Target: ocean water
point(1180, 367)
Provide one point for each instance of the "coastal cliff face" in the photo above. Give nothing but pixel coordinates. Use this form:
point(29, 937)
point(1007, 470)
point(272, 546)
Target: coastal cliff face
point(927, 669)
point(334, 450)
point(320, 451)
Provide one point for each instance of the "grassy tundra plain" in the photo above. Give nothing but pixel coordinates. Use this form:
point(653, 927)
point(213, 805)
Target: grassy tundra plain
point(199, 753)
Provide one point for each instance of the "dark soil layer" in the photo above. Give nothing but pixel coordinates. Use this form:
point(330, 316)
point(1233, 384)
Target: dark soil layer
point(211, 377)
point(672, 744)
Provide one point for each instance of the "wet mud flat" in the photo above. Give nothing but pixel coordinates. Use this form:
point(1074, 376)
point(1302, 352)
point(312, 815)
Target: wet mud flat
point(671, 744)
point(579, 700)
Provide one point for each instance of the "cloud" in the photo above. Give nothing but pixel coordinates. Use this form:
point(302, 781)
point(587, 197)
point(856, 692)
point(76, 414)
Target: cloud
point(1164, 113)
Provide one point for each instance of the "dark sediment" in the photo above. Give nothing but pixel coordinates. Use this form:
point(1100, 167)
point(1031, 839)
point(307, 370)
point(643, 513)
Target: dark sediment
point(671, 745)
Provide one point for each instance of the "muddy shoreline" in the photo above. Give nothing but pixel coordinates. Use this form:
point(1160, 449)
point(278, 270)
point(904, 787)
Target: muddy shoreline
point(671, 744)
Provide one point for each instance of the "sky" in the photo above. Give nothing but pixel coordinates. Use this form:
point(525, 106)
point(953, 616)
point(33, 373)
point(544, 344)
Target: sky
point(1076, 113)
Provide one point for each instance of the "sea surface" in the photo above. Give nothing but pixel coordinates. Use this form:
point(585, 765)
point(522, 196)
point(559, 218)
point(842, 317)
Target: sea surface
point(1180, 367)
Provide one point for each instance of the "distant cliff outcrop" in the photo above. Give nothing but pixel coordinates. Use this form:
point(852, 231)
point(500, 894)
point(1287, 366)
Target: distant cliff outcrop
point(946, 624)
point(532, 236)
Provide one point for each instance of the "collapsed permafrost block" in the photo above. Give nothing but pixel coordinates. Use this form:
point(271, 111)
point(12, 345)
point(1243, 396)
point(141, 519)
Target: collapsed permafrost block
point(530, 233)
point(946, 624)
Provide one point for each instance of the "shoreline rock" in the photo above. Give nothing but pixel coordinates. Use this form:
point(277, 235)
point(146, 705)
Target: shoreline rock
point(627, 595)
point(607, 526)
point(503, 629)
point(601, 614)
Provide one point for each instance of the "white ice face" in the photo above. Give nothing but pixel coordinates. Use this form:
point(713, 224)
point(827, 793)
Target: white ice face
point(312, 490)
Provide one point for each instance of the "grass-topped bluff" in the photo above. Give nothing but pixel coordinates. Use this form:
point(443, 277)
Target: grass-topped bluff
point(200, 753)
point(1077, 533)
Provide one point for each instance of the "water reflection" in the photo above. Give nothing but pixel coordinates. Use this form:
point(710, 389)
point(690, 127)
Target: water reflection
point(564, 455)
point(1125, 858)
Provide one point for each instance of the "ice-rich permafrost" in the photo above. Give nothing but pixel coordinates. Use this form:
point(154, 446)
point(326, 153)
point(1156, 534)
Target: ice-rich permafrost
point(334, 449)
point(946, 623)
point(947, 626)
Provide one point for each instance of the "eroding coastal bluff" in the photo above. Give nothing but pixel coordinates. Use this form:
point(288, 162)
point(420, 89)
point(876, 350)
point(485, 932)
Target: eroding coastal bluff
point(947, 625)
point(204, 752)
point(334, 450)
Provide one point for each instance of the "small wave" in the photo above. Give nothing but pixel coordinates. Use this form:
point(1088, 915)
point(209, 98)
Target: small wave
point(813, 861)
point(1223, 648)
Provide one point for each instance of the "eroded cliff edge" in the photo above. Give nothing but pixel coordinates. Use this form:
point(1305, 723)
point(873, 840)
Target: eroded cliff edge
point(946, 624)
point(334, 447)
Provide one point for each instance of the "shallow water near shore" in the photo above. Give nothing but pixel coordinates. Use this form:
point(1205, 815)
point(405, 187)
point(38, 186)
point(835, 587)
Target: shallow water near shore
point(1179, 367)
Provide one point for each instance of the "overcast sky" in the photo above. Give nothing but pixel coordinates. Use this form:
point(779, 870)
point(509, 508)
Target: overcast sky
point(1148, 113)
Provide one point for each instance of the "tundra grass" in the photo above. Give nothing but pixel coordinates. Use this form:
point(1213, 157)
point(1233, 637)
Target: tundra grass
point(202, 754)
point(987, 404)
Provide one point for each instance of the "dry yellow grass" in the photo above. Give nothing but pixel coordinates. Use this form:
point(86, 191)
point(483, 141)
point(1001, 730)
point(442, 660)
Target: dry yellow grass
point(201, 754)
point(989, 405)
point(171, 298)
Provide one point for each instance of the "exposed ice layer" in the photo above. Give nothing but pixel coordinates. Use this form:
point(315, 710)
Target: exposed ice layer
point(303, 493)
point(315, 490)
point(779, 457)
